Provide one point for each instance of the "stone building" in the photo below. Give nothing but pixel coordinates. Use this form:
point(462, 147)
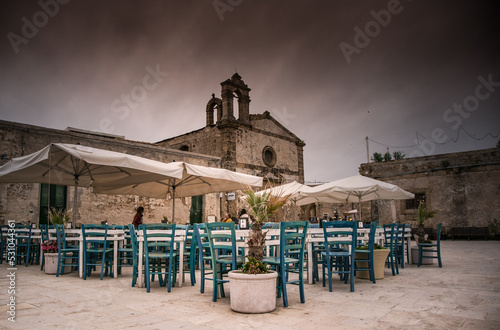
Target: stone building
point(253, 144)
point(464, 189)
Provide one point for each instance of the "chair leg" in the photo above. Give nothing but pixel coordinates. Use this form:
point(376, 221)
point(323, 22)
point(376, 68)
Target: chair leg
point(283, 288)
point(134, 273)
point(352, 272)
point(439, 257)
point(215, 275)
point(301, 285)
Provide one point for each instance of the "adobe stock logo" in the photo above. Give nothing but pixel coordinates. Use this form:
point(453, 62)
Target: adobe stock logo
point(221, 6)
point(30, 29)
point(372, 29)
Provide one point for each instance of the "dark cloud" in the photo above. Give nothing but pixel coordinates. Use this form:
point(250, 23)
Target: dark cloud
point(427, 58)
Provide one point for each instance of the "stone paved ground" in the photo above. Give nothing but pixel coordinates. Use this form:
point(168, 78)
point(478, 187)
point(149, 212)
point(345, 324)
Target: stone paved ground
point(465, 293)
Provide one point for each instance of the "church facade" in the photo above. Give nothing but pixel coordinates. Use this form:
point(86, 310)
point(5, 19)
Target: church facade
point(254, 144)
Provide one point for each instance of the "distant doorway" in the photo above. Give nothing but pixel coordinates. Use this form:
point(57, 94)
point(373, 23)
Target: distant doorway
point(53, 196)
point(196, 211)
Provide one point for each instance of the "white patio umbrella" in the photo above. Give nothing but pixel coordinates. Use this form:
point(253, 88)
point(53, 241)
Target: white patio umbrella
point(195, 180)
point(81, 166)
point(358, 188)
point(291, 189)
point(297, 193)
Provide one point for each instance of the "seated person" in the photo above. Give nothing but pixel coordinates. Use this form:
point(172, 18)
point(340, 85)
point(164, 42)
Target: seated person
point(227, 218)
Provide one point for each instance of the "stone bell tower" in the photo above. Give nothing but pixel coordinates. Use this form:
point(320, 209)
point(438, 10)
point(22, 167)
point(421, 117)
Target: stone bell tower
point(231, 88)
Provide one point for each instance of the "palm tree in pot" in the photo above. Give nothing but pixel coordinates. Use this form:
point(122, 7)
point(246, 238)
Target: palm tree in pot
point(262, 207)
point(423, 214)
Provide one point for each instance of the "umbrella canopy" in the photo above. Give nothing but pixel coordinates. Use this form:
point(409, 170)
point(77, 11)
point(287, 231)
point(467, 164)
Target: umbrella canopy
point(296, 192)
point(195, 180)
point(291, 189)
point(76, 165)
point(358, 188)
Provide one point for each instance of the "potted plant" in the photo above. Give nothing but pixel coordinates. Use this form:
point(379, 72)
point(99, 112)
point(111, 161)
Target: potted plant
point(253, 287)
point(59, 216)
point(423, 214)
point(50, 248)
point(421, 237)
point(380, 254)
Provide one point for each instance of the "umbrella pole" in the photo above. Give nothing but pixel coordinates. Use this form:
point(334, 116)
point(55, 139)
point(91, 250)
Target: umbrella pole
point(75, 196)
point(359, 209)
point(173, 204)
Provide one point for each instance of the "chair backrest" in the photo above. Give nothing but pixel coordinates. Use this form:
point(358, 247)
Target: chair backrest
point(439, 233)
point(340, 234)
point(44, 233)
point(390, 235)
point(201, 238)
point(95, 234)
point(158, 236)
point(292, 239)
point(371, 235)
point(130, 231)
point(23, 232)
point(400, 233)
point(222, 240)
point(61, 236)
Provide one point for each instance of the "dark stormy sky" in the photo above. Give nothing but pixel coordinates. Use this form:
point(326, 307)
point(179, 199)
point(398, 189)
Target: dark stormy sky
point(333, 72)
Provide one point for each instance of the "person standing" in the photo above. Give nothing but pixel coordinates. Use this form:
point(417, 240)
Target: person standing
point(245, 215)
point(138, 217)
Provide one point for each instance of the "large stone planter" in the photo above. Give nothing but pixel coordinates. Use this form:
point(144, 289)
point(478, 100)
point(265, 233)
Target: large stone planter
point(425, 261)
point(252, 293)
point(51, 264)
point(379, 258)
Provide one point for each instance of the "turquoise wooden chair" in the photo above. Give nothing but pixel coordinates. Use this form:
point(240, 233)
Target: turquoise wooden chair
point(67, 255)
point(340, 244)
point(223, 254)
point(291, 258)
point(159, 253)
point(400, 244)
point(190, 252)
point(367, 255)
point(126, 252)
point(24, 245)
point(427, 250)
point(135, 252)
point(96, 250)
point(204, 256)
point(390, 242)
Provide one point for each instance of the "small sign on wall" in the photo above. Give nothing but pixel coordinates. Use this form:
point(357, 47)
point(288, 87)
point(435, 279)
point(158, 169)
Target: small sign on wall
point(211, 218)
point(231, 196)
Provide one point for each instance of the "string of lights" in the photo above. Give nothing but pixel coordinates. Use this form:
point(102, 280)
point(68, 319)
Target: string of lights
point(420, 137)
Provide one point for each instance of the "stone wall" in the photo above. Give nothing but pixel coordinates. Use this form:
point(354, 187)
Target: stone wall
point(21, 201)
point(464, 188)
